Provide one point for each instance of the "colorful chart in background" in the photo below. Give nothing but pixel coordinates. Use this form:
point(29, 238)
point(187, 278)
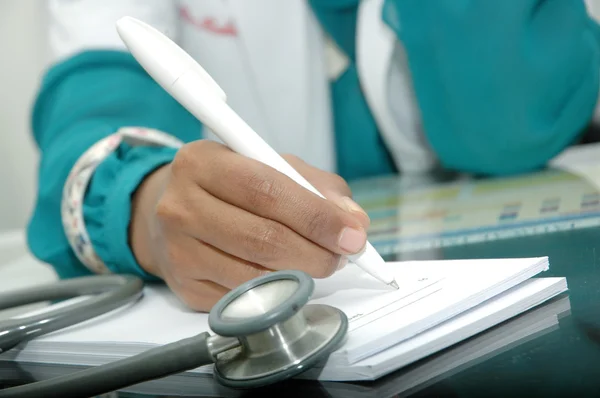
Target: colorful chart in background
point(427, 216)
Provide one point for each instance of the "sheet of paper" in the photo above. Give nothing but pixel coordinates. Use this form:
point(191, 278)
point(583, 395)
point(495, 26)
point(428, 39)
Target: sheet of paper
point(365, 299)
point(486, 315)
point(466, 283)
point(469, 353)
point(160, 318)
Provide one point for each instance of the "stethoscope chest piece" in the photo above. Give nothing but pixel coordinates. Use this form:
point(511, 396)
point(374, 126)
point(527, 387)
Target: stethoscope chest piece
point(279, 335)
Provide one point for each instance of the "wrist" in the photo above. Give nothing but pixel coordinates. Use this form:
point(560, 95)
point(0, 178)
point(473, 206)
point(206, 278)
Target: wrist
point(143, 229)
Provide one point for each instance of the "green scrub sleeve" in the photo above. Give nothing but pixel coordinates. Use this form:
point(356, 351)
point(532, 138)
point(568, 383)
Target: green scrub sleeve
point(502, 86)
point(80, 101)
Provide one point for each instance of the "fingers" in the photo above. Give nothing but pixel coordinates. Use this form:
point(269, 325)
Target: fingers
point(194, 259)
point(199, 295)
point(263, 191)
point(332, 186)
point(243, 235)
point(200, 287)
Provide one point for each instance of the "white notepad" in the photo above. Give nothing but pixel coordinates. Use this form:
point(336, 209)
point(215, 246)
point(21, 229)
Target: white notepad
point(462, 284)
point(517, 300)
point(432, 293)
point(530, 326)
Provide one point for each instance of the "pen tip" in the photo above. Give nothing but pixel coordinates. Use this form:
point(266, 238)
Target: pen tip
point(394, 285)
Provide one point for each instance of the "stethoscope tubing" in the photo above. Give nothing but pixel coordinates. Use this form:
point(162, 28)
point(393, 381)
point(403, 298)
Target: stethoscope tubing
point(108, 293)
point(158, 362)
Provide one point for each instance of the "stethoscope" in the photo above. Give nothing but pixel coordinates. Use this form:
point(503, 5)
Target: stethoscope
point(265, 332)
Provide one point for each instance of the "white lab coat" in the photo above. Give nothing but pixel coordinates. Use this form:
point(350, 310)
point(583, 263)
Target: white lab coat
point(274, 62)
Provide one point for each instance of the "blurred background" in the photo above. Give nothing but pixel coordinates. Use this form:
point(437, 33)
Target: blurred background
point(23, 56)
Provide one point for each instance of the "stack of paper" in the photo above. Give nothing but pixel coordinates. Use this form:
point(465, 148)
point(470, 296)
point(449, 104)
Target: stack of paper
point(439, 304)
point(518, 331)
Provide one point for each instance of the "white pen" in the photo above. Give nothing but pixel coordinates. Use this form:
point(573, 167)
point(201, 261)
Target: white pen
point(186, 81)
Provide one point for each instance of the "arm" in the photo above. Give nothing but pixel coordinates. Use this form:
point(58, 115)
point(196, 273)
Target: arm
point(593, 7)
point(93, 89)
point(502, 87)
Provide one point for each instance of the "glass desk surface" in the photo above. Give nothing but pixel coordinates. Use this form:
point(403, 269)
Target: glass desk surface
point(552, 350)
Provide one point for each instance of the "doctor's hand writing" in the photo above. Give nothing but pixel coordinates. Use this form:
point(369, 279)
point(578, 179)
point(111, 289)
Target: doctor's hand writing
point(213, 219)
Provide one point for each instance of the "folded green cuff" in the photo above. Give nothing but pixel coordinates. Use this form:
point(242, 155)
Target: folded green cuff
point(107, 209)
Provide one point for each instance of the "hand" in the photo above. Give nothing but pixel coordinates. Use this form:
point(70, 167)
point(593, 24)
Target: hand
point(213, 219)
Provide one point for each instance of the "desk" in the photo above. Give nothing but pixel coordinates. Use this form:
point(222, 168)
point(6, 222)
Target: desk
point(558, 360)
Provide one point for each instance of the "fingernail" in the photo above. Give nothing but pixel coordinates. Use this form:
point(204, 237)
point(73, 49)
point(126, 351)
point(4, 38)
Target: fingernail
point(352, 240)
point(343, 263)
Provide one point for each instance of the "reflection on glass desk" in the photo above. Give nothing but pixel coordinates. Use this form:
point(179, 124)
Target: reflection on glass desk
point(553, 350)
point(436, 212)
